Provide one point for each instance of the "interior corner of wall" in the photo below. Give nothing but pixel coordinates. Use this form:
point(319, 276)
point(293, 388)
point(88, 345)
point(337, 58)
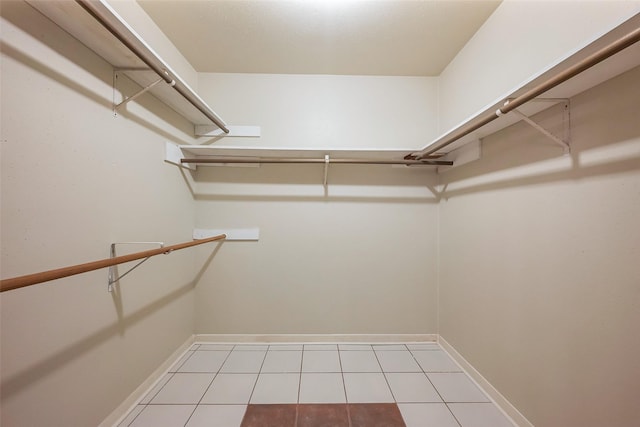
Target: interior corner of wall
point(142, 24)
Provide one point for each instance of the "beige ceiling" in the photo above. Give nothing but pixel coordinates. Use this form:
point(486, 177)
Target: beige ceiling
point(360, 37)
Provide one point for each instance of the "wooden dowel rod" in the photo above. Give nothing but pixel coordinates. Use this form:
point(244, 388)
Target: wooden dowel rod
point(45, 276)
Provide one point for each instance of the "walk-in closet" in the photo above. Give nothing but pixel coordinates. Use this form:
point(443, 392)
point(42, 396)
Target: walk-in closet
point(319, 213)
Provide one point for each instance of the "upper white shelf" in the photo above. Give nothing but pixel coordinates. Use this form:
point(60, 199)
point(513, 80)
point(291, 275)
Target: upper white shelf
point(617, 64)
point(78, 22)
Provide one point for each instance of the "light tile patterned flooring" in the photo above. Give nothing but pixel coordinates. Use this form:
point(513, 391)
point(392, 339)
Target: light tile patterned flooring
point(212, 384)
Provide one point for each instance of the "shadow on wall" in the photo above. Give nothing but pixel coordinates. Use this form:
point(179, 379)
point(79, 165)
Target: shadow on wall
point(604, 141)
point(13, 384)
point(41, 28)
point(293, 182)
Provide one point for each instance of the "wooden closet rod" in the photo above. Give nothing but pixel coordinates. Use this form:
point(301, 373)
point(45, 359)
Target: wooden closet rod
point(45, 276)
point(588, 62)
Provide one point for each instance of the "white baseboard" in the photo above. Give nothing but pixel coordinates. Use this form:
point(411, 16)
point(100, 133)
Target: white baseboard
point(501, 402)
point(315, 338)
point(118, 414)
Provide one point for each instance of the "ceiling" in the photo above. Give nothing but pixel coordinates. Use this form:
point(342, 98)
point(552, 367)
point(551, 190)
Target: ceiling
point(357, 37)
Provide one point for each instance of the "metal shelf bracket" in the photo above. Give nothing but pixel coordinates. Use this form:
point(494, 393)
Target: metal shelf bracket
point(112, 253)
point(562, 142)
point(326, 170)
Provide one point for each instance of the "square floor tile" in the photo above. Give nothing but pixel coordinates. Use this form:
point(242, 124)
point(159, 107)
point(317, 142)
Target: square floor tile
point(204, 361)
point(427, 415)
point(230, 389)
point(180, 362)
point(282, 361)
point(367, 388)
point(456, 387)
point(276, 388)
point(270, 416)
point(320, 361)
point(424, 346)
point(163, 416)
point(217, 416)
point(243, 362)
point(216, 347)
point(322, 388)
point(479, 415)
point(412, 387)
point(251, 347)
point(156, 388)
point(355, 347)
point(321, 415)
point(435, 361)
point(359, 361)
point(183, 389)
point(389, 347)
point(320, 347)
point(397, 361)
point(285, 347)
point(375, 415)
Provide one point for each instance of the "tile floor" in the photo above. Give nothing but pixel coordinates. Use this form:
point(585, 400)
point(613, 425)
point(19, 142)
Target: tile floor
point(213, 385)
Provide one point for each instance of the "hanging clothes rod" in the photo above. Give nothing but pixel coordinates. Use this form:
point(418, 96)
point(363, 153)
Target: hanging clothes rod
point(45, 276)
point(304, 160)
point(109, 19)
point(510, 105)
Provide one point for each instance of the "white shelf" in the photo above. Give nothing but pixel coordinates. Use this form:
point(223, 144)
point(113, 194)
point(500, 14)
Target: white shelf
point(72, 18)
point(615, 65)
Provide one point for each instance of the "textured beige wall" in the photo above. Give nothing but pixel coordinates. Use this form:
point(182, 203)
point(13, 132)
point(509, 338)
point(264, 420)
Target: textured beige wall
point(74, 179)
point(360, 258)
point(539, 263)
point(322, 111)
point(521, 39)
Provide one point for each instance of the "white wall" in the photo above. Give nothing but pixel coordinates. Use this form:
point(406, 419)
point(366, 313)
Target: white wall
point(74, 179)
point(321, 111)
point(539, 262)
point(334, 262)
point(360, 260)
point(520, 40)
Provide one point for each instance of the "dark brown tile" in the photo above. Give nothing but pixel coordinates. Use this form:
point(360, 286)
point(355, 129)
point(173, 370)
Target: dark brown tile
point(322, 415)
point(269, 416)
point(375, 415)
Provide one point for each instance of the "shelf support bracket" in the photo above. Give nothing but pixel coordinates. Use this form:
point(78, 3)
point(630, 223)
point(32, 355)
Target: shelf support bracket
point(112, 270)
point(562, 143)
point(326, 170)
point(135, 95)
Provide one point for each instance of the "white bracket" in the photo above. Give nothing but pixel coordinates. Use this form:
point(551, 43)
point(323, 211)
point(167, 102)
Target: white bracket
point(326, 170)
point(137, 94)
point(234, 131)
point(112, 270)
point(566, 120)
point(564, 144)
point(240, 234)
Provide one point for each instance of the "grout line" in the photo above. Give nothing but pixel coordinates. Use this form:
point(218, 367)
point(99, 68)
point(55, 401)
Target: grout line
point(300, 382)
point(384, 374)
point(344, 388)
point(215, 375)
point(258, 377)
point(435, 388)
